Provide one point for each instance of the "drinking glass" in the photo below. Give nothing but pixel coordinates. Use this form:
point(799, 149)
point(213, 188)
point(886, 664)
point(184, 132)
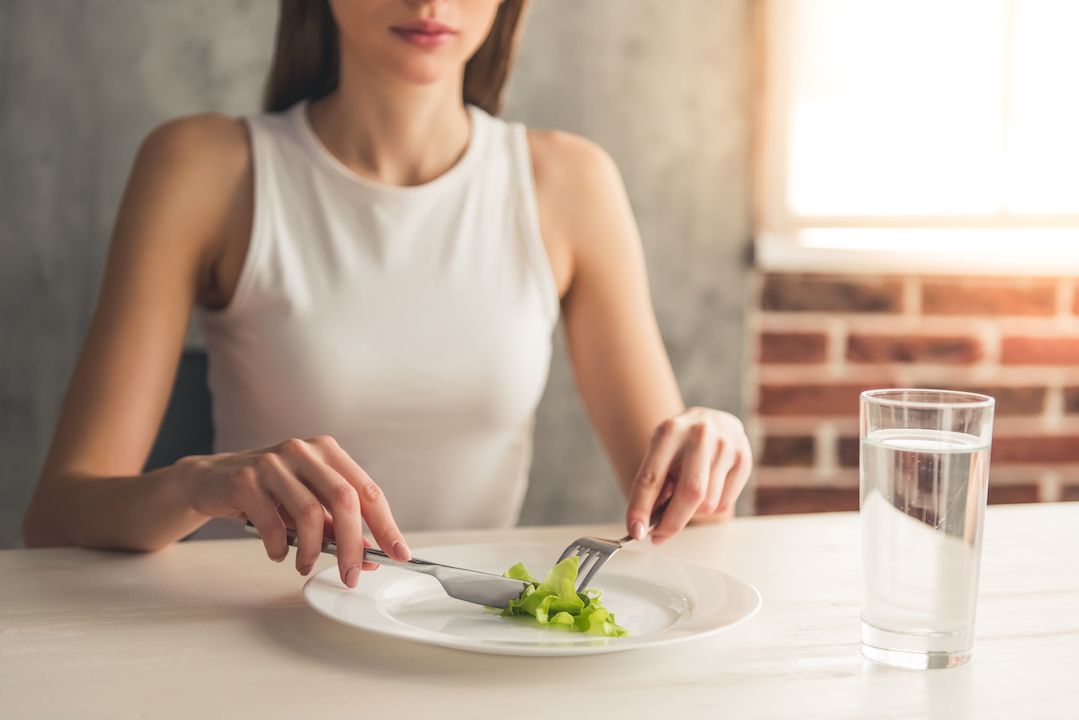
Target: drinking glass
point(924, 475)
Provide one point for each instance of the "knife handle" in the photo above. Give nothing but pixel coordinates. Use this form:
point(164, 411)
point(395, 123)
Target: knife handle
point(329, 546)
point(657, 512)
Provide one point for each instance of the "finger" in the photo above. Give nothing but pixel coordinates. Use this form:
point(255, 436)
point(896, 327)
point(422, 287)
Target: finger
point(715, 487)
point(303, 509)
point(650, 478)
point(736, 480)
point(342, 501)
point(692, 485)
point(373, 504)
point(262, 512)
point(722, 463)
point(367, 564)
point(667, 492)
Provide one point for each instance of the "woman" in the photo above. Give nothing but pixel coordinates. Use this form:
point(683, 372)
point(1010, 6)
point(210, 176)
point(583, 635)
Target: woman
point(378, 264)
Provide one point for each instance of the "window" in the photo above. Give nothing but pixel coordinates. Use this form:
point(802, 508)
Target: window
point(923, 132)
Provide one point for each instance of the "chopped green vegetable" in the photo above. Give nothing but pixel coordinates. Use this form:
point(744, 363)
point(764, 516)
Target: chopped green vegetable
point(555, 601)
point(520, 572)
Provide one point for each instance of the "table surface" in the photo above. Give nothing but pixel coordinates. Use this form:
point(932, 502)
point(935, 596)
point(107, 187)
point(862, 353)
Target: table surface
point(214, 629)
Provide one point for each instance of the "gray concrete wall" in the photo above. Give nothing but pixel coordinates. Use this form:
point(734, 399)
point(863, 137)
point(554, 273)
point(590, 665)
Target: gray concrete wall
point(662, 84)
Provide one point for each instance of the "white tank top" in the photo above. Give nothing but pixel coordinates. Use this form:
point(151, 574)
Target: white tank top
point(412, 324)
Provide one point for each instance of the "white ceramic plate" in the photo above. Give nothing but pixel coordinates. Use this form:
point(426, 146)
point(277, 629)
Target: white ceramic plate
point(658, 599)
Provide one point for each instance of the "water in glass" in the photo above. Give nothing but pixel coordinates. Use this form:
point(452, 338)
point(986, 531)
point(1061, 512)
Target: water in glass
point(922, 500)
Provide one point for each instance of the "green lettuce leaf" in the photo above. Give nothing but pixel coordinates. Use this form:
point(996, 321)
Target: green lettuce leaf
point(556, 602)
point(520, 572)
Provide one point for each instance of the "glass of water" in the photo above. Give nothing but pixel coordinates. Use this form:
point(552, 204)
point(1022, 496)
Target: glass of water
point(924, 477)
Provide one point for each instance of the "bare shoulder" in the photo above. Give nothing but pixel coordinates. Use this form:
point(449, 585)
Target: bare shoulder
point(206, 143)
point(191, 192)
point(195, 164)
point(562, 159)
point(582, 202)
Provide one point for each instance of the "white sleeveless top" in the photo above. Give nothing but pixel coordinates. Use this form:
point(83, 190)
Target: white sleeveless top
point(412, 324)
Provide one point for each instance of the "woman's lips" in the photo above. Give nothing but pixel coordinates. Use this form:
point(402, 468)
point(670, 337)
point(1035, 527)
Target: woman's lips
point(424, 33)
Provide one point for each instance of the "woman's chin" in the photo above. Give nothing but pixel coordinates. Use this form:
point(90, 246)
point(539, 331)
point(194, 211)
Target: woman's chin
point(420, 80)
point(424, 70)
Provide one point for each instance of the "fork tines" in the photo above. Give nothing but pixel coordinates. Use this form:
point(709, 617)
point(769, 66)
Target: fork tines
point(592, 553)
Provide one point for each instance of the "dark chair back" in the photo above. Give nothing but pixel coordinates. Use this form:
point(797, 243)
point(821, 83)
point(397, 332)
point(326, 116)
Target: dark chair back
point(187, 428)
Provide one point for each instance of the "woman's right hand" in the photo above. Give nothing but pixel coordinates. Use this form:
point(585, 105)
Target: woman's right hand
point(313, 484)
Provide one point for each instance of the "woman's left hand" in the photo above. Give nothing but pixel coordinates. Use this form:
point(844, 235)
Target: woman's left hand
point(701, 460)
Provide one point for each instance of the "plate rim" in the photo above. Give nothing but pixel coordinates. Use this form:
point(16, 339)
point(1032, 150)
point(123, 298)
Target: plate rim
point(426, 636)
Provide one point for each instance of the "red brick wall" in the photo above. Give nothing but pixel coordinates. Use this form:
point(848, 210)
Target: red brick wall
point(819, 340)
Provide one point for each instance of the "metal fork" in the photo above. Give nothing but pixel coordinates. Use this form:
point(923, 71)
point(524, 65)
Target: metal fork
point(594, 552)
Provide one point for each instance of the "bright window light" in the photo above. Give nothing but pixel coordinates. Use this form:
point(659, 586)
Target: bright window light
point(895, 107)
point(920, 113)
point(1043, 142)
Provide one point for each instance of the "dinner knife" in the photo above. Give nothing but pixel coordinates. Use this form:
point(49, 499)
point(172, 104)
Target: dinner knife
point(472, 586)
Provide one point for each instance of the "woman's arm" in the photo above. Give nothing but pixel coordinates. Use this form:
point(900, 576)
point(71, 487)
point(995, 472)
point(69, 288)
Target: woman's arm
point(187, 178)
point(618, 358)
point(190, 198)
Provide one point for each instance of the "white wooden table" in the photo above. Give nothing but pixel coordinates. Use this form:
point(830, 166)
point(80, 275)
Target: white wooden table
point(212, 629)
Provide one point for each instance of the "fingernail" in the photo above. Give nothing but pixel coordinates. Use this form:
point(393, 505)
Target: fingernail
point(352, 576)
point(401, 551)
point(658, 540)
point(636, 529)
point(305, 569)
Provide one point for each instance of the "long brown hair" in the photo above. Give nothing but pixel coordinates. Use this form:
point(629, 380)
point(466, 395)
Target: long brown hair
point(306, 56)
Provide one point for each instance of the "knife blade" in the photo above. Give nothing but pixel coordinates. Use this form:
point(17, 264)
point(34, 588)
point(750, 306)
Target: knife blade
point(474, 586)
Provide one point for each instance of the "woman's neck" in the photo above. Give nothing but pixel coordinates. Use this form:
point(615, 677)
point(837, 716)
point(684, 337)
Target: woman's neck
point(393, 132)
